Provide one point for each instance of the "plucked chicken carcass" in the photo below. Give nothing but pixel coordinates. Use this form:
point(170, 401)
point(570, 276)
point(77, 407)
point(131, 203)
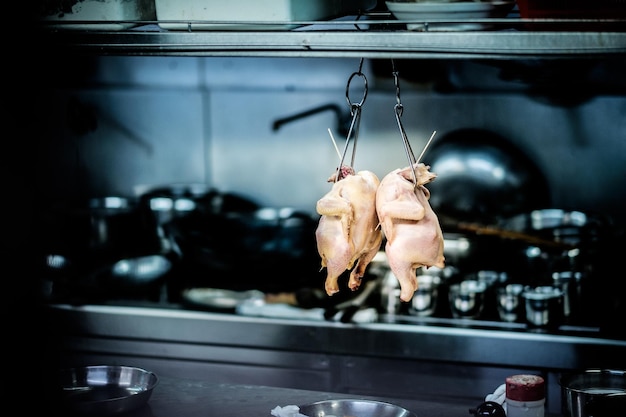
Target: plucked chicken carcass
point(348, 236)
point(411, 227)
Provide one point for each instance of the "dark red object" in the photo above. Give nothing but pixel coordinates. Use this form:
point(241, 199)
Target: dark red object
point(572, 9)
point(597, 15)
point(525, 388)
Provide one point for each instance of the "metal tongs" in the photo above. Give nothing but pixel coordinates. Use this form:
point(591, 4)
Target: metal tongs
point(355, 112)
point(398, 109)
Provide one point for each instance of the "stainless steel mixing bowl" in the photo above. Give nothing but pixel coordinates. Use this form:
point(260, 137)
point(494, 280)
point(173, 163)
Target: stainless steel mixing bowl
point(355, 408)
point(105, 390)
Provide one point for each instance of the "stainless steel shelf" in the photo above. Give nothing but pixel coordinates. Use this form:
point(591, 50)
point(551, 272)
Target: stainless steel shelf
point(507, 39)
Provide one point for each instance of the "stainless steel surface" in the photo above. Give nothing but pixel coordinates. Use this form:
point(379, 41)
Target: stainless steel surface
point(413, 339)
point(192, 397)
point(397, 43)
point(390, 357)
point(360, 408)
point(594, 393)
point(105, 390)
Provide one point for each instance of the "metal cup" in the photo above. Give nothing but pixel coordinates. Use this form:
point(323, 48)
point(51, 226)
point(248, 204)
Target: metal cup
point(424, 300)
point(510, 303)
point(569, 283)
point(390, 294)
point(544, 306)
point(466, 299)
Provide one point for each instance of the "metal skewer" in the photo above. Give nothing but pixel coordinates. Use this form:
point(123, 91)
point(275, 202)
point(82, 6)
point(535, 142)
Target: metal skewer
point(398, 109)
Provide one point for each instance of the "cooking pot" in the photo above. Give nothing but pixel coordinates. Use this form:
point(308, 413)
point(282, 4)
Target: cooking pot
point(594, 393)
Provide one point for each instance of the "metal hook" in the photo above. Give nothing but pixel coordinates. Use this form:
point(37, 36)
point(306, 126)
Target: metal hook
point(354, 127)
point(355, 111)
point(405, 141)
point(396, 82)
point(358, 73)
point(398, 110)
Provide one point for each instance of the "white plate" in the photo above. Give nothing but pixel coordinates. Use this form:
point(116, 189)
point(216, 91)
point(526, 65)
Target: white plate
point(219, 298)
point(243, 14)
point(462, 10)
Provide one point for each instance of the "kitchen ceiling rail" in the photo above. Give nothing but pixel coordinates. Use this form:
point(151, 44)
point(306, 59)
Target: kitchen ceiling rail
point(379, 39)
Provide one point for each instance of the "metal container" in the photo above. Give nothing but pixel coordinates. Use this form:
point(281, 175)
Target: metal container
point(594, 393)
point(359, 408)
point(390, 294)
point(467, 299)
point(105, 390)
point(570, 283)
point(544, 306)
point(424, 299)
point(510, 303)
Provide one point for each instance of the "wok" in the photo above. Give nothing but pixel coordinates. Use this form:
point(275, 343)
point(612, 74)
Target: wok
point(482, 177)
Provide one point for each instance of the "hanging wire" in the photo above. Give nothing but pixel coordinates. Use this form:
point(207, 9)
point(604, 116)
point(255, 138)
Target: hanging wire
point(355, 112)
point(398, 109)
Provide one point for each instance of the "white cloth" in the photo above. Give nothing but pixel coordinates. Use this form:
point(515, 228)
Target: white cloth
point(287, 411)
point(498, 396)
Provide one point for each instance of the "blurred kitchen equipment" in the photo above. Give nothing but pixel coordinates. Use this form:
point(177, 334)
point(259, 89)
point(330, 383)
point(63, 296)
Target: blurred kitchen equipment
point(483, 177)
point(227, 241)
point(571, 227)
point(358, 408)
point(105, 390)
point(252, 14)
point(348, 309)
point(544, 306)
point(488, 408)
point(390, 294)
point(466, 299)
point(434, 10)
point(424, 301)
point(570, 283)
point(105, 246)
point(95, 14)
point(510, 303)
point(218, 299)
point(593, 393)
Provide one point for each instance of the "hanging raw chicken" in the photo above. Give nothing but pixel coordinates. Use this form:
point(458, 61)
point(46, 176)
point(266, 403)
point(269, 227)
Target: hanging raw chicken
point(411, 227)
point(348, 235)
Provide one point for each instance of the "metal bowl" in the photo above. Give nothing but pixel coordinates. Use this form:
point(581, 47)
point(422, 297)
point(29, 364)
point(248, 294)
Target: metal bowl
point(105, 390)
point(354, 408)
point(593, 392)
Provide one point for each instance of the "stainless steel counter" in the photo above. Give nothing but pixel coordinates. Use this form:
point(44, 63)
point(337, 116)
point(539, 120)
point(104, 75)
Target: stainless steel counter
point(187, 398)
point(404, 360)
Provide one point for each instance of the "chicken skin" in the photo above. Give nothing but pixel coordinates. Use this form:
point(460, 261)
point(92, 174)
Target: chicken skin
point(411, 227)
point(348, 236)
